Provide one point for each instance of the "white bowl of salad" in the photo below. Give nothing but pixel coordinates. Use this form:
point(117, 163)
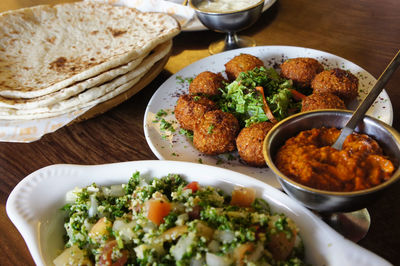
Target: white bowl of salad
point(169, 213)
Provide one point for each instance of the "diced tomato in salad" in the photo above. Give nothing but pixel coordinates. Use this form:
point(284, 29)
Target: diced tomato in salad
point(194, 186)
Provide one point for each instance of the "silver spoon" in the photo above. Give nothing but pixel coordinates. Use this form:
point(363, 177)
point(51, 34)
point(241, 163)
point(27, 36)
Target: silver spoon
point(358, 115)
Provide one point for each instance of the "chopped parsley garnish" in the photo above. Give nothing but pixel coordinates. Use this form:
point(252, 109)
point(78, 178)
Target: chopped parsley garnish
point(160, 114)
point(210, 129)
point(132, 183)
point(182, 80)
point(165, 125)
point(187, 133)
point(196, 98)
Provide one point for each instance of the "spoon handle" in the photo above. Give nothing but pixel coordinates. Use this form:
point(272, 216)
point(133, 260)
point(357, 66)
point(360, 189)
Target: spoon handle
point(376, 90)
point(358, 115)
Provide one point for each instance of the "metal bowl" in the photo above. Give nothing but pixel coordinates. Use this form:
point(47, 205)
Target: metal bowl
point(233, 21)
point(328, 201)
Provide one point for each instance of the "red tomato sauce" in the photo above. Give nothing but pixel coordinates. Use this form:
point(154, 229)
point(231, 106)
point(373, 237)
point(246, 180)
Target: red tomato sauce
point(309, 159)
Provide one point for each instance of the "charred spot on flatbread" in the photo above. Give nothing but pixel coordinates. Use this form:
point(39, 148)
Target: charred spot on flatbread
point(116, 32)
point(58, 64)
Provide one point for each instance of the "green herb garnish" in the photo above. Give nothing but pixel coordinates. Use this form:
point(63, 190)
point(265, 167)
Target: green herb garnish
point(165, 125)
point(187, 133)
point(210, 129)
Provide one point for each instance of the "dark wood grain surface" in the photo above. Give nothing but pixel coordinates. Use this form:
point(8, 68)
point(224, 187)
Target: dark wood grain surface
point(366, 32)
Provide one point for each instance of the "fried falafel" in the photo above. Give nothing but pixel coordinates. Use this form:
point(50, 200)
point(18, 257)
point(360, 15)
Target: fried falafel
point(301, 70)
point(207, 83)
point(241, 63)
point(190, 108)
point(250, 143)
point(337, 81)
point(323, 100)
point(216, 133)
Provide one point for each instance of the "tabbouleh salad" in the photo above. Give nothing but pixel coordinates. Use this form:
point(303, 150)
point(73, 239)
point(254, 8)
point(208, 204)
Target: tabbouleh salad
point(169, 221)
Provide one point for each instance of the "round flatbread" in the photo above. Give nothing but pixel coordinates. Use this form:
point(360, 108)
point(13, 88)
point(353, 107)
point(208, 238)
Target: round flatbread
point(46, 48)
point(72, 90)
point(93, 95)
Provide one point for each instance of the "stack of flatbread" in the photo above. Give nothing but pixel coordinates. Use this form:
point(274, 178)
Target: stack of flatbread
point(62, 58)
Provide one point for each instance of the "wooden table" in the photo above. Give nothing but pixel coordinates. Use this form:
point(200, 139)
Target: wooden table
point(365, 32)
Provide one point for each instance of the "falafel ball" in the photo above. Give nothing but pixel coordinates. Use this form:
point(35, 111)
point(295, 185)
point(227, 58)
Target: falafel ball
point(216, 133)
point(337, 81)
point(190, 108)
point(250, 143)
point(301, 70)
point(241, 63)
point(207, 83)
point(323, 100)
